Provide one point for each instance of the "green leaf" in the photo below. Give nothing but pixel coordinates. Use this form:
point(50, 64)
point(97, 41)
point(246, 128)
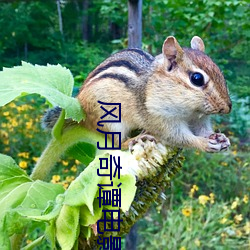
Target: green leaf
point(14, 198)
point(53, 82)
point(50, 234)
point(6, 186)
point(9, 168)
point(83, 189)
point(82, 151)
point(34, 243)
point(67, 226)
point(128, 189)
point(39, 194)
point(87, 218)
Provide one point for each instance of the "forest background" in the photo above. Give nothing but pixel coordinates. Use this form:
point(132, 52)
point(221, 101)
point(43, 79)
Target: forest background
point(207, 205)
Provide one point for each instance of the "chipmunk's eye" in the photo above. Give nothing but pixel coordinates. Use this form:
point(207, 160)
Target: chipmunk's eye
point(197, 79)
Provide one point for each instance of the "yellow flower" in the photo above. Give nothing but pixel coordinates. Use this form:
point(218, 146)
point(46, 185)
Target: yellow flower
point(211, 195)
point(223, 235)
point(235, 203)
point(193, 190)
point(77, 162)
point(55, 178)
point(65, 163)
point(223, 220)
point(247, 227)
point(23, 164)
point(224, 164)
point(203, 199)
point(238, 233)
point(187, 211)
point(4, 134)
point(6, 113)
point(183, 248)
point(12, 105)
point(35, 159)
point(28, 241)
point(245, 199)
point(14, 123)
point(24, 154)
point(234, 152)
point(65, 185)
point(29, 124)
point(197, 242)
point(238, 218)
point(73, 168)
point(70, 178)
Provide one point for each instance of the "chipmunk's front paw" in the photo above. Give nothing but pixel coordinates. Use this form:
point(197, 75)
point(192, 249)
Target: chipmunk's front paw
point(141, 139)
point(218, 142)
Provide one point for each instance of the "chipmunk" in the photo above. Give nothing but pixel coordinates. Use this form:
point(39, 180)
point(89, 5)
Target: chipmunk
point(170, 96)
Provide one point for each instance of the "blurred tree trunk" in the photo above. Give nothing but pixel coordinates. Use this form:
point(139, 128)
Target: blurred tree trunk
point(86, 21)
point(59, 16)
point(131, 239)
point(134, 23)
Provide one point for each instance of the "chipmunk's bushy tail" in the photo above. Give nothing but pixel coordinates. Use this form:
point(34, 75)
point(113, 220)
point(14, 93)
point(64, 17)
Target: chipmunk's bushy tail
point(50, 117)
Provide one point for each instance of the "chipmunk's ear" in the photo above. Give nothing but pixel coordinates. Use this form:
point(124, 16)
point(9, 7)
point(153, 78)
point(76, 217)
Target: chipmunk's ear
point(197, 43)
point(171, 49)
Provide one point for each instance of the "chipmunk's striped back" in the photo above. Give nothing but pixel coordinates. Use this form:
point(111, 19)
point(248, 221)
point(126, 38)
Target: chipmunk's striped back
point(124, 66)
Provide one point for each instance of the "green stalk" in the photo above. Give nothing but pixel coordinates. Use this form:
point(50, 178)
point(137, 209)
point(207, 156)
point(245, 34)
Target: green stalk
point(57, 147)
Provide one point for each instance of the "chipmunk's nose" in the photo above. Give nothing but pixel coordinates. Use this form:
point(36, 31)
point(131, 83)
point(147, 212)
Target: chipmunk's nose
point(227, 108)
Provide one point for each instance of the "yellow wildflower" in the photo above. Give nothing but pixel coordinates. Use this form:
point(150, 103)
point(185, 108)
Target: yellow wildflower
point(235, 203)
point(223, 220)
point(234, 152)
point(23, 164)
point(245, 199)
point(77, 162)
point(203, 199)
point(55, 178)
point(73, 168)
point(12, 105)
point(183, 248)
point(187, 211)
point(6, 113)
point(24, 154)
point(224, 164)
point(65, 163)
point(211, 195)
point(4, 134)
point(29, 124)
point(14, 123)
point(238, 233)
point(247, 227)
point(70, 178)
point(193, 190)
point(238, 218)
point(65, 185)
point(197, 242)
point(35, 159)
point(6, 141)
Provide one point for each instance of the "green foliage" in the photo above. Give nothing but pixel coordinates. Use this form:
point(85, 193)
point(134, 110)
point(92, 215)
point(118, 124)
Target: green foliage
point(19, 197)
point(52, 82)
point(201, 223)
point(223, 25)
